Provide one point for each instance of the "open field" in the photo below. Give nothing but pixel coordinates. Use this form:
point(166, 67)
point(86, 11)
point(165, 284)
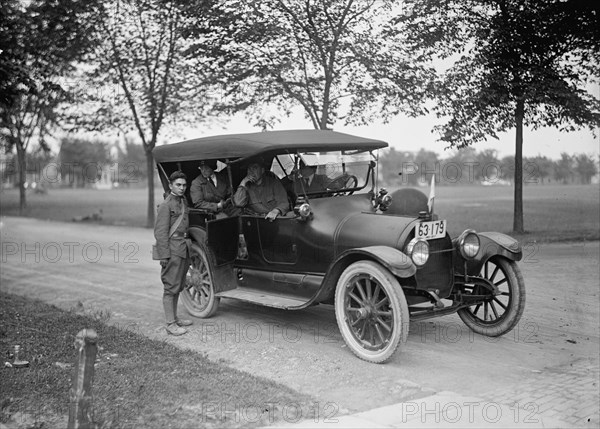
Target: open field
point(552, 212)
point(125, 207)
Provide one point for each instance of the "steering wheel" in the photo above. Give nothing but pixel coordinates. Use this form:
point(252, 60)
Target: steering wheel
point(344, 181)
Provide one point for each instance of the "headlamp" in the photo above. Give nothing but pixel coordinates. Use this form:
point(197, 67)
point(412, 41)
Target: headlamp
point(418, 251)
point(468, 244)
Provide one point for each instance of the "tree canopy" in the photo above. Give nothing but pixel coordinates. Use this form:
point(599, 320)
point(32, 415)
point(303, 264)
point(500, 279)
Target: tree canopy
point(39, 43)
point(328, 57)
point(141, 76)
point(513, 63)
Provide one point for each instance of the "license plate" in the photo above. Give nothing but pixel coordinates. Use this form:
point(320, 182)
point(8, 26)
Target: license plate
point(431, 230)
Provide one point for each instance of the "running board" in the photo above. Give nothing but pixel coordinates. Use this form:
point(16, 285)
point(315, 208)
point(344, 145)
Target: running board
point(262, 298)
point(420, 313)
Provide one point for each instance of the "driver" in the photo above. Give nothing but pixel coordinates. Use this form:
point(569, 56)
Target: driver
point(308, 181)
point(261, 192)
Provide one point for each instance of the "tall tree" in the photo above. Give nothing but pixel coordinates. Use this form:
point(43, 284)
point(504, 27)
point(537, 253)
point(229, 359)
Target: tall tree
point(326, 56)
point(131, 163)
point(39, 43)
point(586, 168)
point(563, 168)
point(397, 167)
point(461, 165)
point(428, 165)
point(81, 160)
point(538, 169)
point(143, 78)
point(514, 63)
point(488, 167)
point(508, 168)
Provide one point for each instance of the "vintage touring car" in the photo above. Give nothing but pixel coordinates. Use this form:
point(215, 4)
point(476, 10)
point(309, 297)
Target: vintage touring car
point(380, 259)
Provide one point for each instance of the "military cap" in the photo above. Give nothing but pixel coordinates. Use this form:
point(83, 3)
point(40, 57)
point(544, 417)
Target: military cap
point(209, 163)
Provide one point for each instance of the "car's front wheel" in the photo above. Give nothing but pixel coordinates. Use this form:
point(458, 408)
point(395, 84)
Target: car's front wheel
point(198, 295)
point(371, 311)
point(501, 311)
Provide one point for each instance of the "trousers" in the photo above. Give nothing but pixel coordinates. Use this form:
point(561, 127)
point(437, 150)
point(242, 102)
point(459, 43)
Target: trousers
point(173, 279)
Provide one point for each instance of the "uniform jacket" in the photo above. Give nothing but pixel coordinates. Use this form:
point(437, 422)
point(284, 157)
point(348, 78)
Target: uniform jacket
point(263, 198)
point(168, 213)
point(205, 195)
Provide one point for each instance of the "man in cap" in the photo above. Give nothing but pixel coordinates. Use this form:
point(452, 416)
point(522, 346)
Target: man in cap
point(210, 191)
point(261, 192)
point(170, 232)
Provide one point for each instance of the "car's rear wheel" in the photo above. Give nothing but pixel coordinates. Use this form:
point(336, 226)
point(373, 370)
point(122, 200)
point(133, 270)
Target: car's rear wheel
point(371, 311)
point(500, 312)
point(198, 296)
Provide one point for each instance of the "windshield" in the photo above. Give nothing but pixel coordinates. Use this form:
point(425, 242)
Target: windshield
point(323, 173)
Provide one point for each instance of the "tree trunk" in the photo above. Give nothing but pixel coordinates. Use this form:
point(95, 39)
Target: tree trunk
point(150, 173)
point(21, 162)
point(518, 226)
point(324, 115)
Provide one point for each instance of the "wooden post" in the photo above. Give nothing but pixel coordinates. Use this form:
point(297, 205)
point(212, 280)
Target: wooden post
point(81, 413)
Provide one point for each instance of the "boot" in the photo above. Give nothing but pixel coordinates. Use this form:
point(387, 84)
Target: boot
point(179, 322)
point(174, 329)
point(168, 300)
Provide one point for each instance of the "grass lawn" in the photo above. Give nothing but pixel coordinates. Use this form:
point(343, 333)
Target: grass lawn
point(551, 212)
point(138, 382)
point(125, 207)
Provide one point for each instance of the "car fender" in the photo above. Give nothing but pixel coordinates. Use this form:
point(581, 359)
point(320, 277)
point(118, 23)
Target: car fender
point(490, 244)
point(394, 260)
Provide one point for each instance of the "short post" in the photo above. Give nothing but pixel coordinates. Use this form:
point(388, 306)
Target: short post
point(81, 411)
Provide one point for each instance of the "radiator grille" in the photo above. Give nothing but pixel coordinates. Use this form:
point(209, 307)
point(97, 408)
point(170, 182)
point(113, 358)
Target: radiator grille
point(438, 271)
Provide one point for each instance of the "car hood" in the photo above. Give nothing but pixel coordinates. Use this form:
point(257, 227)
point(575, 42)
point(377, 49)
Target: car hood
point(352, 223)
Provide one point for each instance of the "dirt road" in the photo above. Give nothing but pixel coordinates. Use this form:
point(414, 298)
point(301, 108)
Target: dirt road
point(552, 353)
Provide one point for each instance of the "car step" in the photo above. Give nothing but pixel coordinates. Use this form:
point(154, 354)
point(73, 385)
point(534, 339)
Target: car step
point(262, 298)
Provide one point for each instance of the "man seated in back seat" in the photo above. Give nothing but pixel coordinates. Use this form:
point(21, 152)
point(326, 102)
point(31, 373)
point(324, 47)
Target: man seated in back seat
point(210, 191)
point(261, 192)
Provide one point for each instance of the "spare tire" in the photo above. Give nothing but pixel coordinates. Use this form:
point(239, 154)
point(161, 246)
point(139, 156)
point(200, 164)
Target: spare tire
point(408, 202)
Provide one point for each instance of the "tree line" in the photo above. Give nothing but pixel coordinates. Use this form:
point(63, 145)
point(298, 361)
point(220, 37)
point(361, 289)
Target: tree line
point(80, 163)
point(468, 166)
point(144, 67)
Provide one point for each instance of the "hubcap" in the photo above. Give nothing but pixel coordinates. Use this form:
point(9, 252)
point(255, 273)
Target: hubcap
point(496, 305)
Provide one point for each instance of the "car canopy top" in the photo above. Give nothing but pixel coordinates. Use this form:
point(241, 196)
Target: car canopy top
point(242, 146)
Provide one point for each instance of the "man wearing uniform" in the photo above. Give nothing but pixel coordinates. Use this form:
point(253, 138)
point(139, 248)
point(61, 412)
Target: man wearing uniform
point(210, 191)
point(170, 233)
point(261, 192)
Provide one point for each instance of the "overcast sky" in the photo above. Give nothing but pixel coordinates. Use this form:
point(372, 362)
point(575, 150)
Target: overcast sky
point(408, 134)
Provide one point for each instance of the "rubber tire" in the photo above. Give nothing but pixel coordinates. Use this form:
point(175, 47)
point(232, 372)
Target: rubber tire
point(516, 304)
point(203, 259)
point(398, 306)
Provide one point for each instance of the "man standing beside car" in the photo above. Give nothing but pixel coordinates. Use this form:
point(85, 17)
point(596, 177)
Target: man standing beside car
point(170, 231)
point(210, 191)
point(261, 192)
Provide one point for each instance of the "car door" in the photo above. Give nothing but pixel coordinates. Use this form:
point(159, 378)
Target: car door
point(271, 245)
